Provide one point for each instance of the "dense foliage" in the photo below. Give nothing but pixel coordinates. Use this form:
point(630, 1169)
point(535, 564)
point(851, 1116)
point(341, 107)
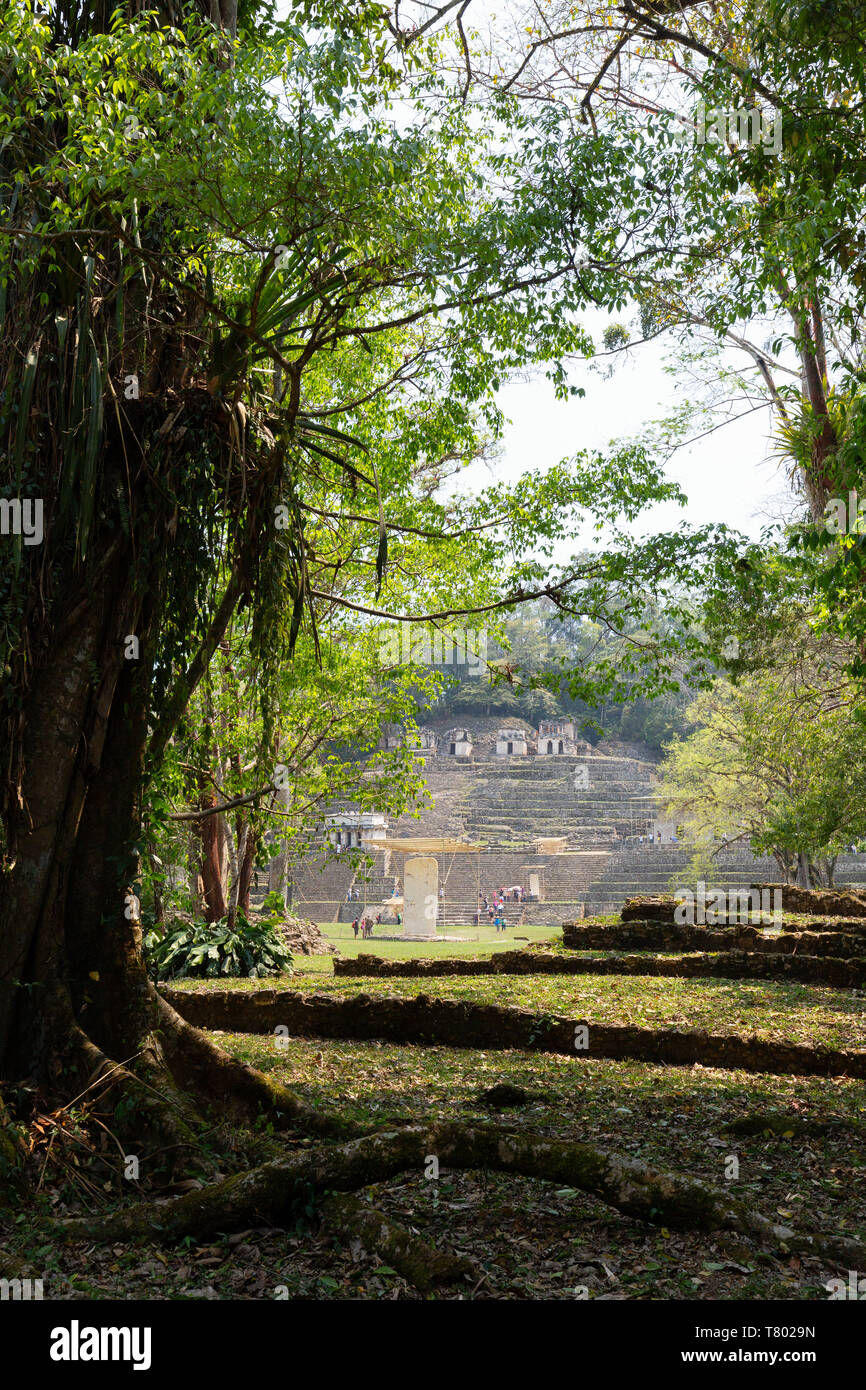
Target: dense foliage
point(205, 950)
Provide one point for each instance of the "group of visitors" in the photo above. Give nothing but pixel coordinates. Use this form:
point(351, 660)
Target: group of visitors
point(353, 895)
point(494, 907)
point(365, 924)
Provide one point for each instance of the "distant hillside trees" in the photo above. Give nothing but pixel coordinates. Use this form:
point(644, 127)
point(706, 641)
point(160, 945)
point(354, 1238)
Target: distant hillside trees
point(528, 671)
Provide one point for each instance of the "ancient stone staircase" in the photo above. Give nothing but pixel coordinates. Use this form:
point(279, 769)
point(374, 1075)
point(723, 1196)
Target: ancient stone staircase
point(600, 804)
point(591, 801)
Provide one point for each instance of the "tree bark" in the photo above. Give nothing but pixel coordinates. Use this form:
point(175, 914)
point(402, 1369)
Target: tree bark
point(214, 867)
point(247, 869)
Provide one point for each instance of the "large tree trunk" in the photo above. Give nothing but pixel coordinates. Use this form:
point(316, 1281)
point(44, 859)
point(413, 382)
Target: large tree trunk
point(76, 1003)
point(66, 724)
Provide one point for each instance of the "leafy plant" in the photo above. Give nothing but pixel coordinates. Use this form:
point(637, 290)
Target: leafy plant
point(273, 905)
point(205, 950)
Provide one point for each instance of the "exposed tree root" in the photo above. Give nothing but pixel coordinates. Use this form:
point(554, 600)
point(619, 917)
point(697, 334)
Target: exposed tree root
point(11, 1156)
point(242, 1093)
point(422, 1264)
point(630, 1186)
point(152, 1102)
point(150, 1113)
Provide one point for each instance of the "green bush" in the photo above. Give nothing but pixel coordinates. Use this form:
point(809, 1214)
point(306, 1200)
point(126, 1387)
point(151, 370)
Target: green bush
point(274, 905)
point(204, 950)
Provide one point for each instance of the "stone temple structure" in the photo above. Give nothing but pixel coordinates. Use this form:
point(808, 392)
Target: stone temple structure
point(422, 741)
point(347, 829)
point(556, 738)
point(511, 742)
point(393, 736)
point(576, 830)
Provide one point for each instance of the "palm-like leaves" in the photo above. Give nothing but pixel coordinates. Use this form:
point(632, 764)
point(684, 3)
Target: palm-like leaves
point(275, 311)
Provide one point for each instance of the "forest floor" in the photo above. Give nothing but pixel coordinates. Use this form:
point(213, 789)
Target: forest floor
point(527, 1238)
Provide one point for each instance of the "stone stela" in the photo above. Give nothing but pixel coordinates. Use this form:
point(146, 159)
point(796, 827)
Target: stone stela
point(421, 880)
point(420, 896)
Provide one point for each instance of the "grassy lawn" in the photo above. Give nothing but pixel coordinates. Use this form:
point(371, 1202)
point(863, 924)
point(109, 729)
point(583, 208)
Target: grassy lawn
point(772, 1010)
point(485, 939)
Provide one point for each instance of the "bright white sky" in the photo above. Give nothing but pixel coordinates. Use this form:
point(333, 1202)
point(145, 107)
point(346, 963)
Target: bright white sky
point(728, 476)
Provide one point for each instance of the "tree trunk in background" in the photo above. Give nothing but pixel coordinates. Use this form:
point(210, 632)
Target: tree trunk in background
point(215, 862)
point(195, 881)
point(247, 869)
point(278, 869)
point(237, 854)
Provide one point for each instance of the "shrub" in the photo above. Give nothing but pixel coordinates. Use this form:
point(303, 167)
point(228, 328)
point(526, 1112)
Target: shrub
point(204, 950)
point(274, 905)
